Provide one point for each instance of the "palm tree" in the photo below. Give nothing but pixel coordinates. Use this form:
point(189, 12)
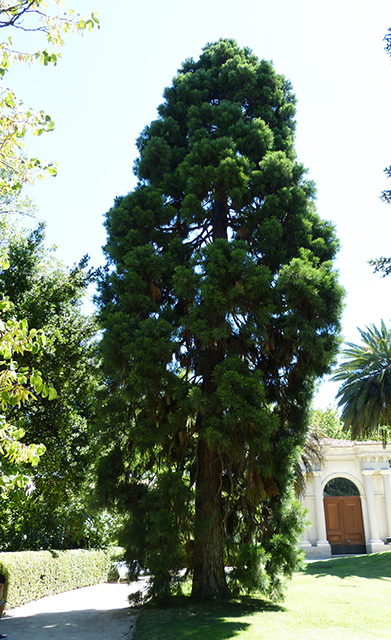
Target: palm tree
point(365, 393)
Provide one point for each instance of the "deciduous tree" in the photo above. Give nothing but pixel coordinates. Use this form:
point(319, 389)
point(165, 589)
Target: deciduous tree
point(17, 168)
point(220, 307)
point(328, 423)
point(48, 295)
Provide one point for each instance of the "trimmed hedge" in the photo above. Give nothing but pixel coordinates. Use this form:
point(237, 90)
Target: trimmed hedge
point(31, 575)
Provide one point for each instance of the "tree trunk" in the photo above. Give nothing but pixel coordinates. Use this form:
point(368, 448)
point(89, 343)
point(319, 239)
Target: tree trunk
point(209, 579)
point(219, 219)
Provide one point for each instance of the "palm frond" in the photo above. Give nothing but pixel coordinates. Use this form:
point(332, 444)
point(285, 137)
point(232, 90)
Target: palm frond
point(365, 392)
point(311, 458)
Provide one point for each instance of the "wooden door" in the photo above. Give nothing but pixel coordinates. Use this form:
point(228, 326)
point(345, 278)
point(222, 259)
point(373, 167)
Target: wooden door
point(344, 524)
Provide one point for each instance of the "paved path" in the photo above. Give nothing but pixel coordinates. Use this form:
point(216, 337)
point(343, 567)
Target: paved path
point(83, 614)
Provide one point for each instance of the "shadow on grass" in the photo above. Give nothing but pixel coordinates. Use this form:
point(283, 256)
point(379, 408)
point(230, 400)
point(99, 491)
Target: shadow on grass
point(375, 565)
point(190, 620)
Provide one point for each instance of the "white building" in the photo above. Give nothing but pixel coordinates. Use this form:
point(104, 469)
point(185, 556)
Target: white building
point(349, 500)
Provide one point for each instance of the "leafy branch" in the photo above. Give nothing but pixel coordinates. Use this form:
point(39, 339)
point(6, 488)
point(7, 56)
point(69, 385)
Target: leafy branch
point(18, 386)
point(16, 167)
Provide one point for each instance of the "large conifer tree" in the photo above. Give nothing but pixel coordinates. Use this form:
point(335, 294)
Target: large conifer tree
point(220, 308)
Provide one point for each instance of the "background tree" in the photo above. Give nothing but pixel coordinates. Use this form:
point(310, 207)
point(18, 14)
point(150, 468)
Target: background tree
point(16, 169)
point(18, 384)
point(365, 393)
point(220, 307)
point(48, 295)
point(329, 424)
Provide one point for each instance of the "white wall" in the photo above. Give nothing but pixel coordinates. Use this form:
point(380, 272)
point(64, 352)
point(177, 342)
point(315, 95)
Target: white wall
point(367, 465)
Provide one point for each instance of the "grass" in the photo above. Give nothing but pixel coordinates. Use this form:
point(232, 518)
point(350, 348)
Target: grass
point(341, 598)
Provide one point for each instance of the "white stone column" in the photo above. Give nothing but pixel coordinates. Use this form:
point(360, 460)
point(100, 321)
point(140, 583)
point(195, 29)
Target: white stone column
point(305, 541)
point(374, 544)
point(387, 497)
point(321, 535)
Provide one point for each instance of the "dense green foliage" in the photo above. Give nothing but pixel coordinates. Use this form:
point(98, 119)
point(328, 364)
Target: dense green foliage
point(31, 575)
point(365, 392)
point(36, 291)
point(220, 308)
point(328, 423)
point(49, 296)
point(43, 291)
point(18, 384)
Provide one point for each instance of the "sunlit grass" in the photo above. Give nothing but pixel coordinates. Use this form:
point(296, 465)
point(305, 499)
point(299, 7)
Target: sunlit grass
point(338, 599)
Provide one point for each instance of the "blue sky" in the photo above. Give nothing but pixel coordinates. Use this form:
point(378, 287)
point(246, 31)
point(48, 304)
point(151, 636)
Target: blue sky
point(109, 83)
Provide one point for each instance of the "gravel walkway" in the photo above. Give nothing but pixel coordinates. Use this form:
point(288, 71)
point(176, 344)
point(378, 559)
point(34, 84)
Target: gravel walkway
point(83, 614)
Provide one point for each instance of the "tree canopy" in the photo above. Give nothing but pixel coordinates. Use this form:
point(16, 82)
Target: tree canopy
point(49, 295)
point(328, 423)
point(18, 383)
point(219, 307)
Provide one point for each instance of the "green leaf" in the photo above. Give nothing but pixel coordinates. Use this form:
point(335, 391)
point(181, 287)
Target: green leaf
point(6, 352)
point(52, 393)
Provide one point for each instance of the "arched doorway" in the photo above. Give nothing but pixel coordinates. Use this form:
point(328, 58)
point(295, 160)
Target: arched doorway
point(343, 513)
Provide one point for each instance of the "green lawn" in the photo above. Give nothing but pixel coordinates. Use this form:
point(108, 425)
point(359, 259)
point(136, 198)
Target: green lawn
point(338, 599)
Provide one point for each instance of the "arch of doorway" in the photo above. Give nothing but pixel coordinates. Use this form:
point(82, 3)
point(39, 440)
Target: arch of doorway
point(346, 476)
point(345, 530)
